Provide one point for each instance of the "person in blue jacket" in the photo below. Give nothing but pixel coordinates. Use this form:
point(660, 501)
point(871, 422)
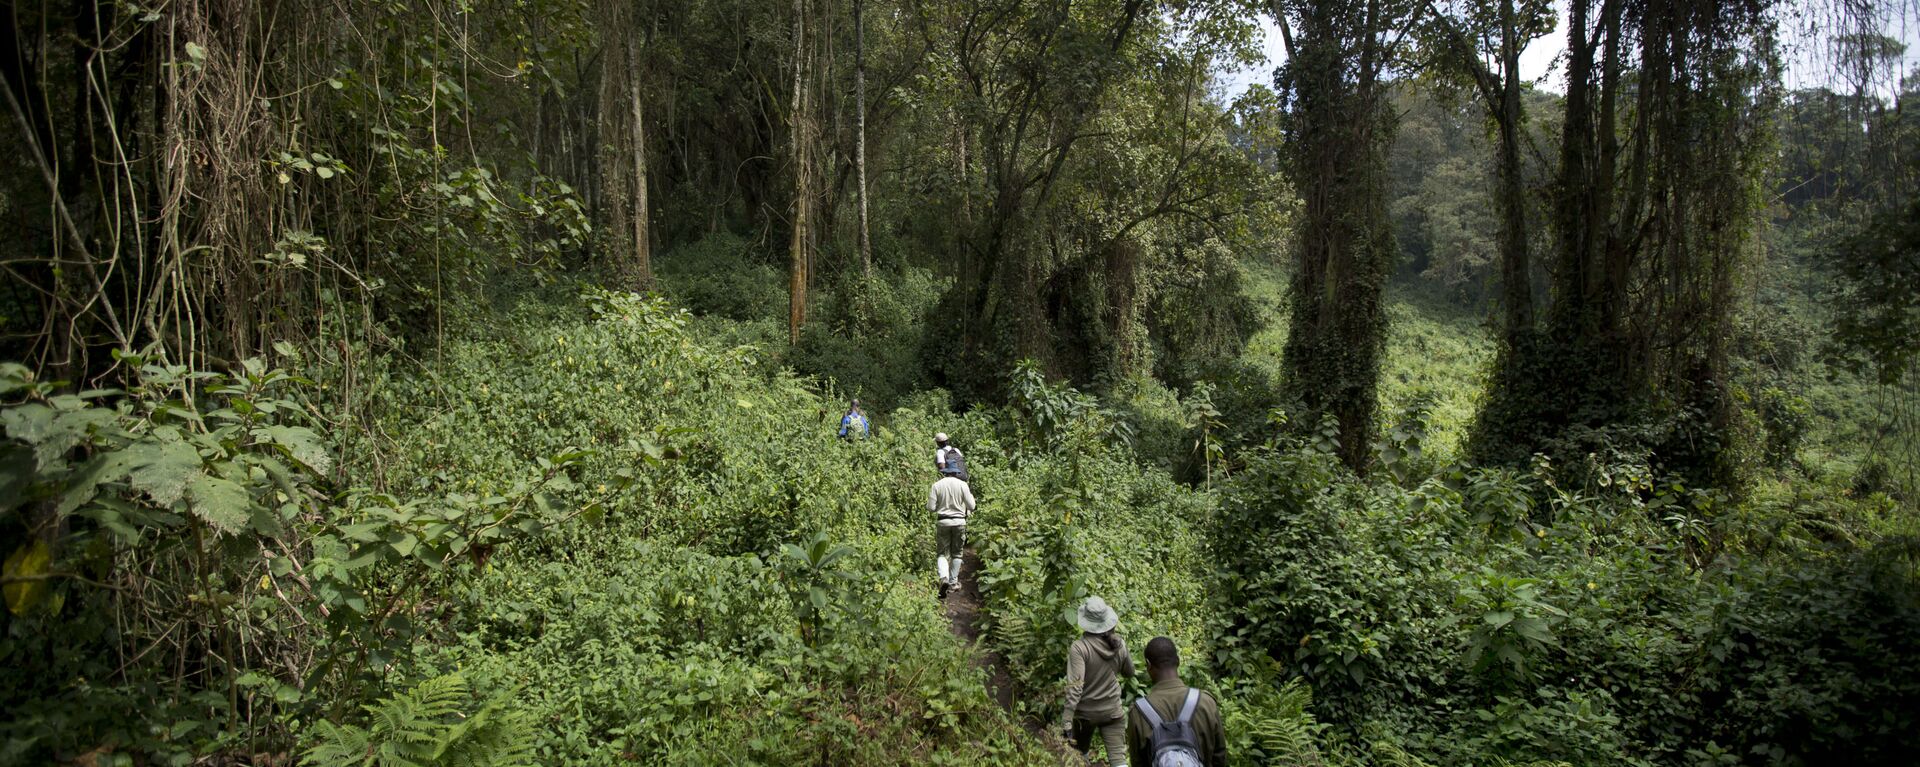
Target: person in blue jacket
point(854, 423)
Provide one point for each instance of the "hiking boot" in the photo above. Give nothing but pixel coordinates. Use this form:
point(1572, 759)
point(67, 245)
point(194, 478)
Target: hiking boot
point(943, 589)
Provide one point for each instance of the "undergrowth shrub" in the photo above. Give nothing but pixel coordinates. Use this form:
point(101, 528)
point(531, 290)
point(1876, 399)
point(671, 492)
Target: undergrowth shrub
point(432, 724)
point(724, 275)
point(672, 621)
point(1575, 615)
point(867, 336)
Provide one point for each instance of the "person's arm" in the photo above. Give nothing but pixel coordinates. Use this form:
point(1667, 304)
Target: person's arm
point(970, 504)
point(844, 420)
point(1125, 667)
point(1217, 734)
point(1076, 679)
point(933, 498)
point(1139, 743)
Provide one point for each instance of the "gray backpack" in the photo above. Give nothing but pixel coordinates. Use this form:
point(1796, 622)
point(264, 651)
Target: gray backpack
point(1174, 743)
point(956, 463)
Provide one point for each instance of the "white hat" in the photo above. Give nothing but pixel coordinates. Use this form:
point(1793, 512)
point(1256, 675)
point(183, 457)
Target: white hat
point(1095, 617)
point(941, 437)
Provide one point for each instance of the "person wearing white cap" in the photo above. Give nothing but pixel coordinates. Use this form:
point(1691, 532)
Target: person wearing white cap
point(945, 455)
point(951, 501)
point(1096, 662)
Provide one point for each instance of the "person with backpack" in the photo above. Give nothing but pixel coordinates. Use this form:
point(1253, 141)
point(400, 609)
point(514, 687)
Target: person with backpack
point(854, 423)
point(1173, 725)
point(951, 502)
point(945, 456)
point(1096, 662)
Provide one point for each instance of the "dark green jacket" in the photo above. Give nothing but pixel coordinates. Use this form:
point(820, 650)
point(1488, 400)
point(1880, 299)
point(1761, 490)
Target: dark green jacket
point(1166, 698)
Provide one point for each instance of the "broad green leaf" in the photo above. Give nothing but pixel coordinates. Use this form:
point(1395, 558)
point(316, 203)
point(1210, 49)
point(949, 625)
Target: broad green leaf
point(301, 444)
point(53, 433)
point(365, 532)
point(219, 502)
point(1534, 629)
point(107, 467)
point(164, 470)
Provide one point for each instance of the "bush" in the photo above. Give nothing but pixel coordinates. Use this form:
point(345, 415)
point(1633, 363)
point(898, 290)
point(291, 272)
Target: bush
point(724, 276)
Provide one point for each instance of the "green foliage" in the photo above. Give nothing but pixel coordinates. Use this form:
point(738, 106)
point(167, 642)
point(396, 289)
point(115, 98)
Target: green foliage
point(1879, 268)
point(815, 584)
point(1559, 615)
point(871, 338)
point(1402, 446)
point(160, 511)
point(723, 275)
point(696, 610)
point(1272, 723)
point(428, 725)
point(1054, 415)
point(1513, 623)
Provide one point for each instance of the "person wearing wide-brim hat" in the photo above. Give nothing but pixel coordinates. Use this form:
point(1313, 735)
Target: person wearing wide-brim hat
point(1096, 662)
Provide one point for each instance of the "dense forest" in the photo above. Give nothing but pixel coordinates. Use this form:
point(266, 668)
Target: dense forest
point(406, 382)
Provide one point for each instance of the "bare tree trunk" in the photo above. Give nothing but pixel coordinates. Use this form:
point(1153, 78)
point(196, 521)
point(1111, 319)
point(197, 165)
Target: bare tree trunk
point(611, 204)
point(642, 248)
point(860, 130)
point(797, 298)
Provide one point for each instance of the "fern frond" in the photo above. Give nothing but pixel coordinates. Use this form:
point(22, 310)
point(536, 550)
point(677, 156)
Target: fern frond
point(339, 747)
point(1390, 754)
point(425, 727)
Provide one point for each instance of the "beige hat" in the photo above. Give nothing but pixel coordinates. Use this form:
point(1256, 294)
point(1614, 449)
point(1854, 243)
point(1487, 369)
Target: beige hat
point(941, 437)
point(1095, 617)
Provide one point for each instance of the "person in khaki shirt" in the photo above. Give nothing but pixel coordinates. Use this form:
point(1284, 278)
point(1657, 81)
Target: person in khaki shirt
point(1167, 696)
point(951, 502)
point(1096, 662)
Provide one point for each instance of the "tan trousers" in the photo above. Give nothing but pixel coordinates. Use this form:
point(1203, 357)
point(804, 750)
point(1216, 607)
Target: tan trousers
point(948, 543)
point(1113, 733)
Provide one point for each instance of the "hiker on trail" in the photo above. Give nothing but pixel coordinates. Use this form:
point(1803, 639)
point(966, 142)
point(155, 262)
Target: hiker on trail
point(1173, 725)
point(951, 502)
point(1096, 662)
point(946, 456)
point(854, 423)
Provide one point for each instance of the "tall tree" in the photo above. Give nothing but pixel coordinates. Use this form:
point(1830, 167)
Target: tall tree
point(1464, 35)
point(1338, 128)
point(623, 148)
point(1668, 106)
point(860, 129)
point(799, 260)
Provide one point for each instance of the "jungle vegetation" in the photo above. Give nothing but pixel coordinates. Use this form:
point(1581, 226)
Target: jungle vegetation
point(404, 382)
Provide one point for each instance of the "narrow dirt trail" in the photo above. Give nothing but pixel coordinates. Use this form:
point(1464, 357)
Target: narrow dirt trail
point(963, 615)
point(963, 612)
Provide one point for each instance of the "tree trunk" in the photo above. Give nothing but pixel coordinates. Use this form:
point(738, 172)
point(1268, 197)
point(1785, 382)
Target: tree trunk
point(1515, 268)
point(860, 131)
point(1337, 136)
point(642, 272)
point(797, 298)
point(612, 205)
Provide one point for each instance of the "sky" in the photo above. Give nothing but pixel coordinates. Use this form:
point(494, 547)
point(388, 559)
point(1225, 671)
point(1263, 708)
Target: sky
point(1803, 34)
